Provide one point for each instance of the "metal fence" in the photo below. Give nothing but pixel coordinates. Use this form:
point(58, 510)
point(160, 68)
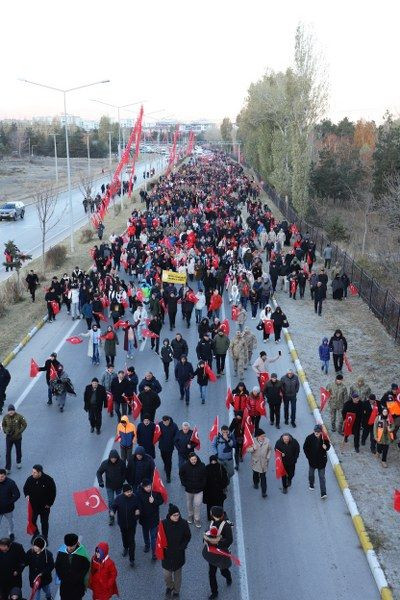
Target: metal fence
point(380, 300)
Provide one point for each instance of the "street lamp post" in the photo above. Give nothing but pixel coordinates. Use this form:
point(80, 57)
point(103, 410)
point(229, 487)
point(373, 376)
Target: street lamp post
point(55, 154)
point(88, 153)
point(64, 92)
point(109, 151)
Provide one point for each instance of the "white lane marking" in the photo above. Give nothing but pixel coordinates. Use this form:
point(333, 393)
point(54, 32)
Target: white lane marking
point(237, 501)
point(34, 381)
point(106, 452)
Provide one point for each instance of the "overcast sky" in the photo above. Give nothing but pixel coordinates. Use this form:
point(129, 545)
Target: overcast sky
point(193, 59)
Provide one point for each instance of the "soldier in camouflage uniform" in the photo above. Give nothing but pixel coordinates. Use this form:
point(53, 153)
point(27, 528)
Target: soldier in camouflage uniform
point(239, 353)
point(251, 344)
point(339, 395)
point(361, 388)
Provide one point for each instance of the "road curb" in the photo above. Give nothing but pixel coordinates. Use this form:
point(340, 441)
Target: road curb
point(24, 341)
point(358, 522)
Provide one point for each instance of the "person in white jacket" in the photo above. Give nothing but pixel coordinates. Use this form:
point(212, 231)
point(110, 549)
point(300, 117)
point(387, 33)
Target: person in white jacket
point(260, 365)
point(200, 304)
point(139, 317)
point(265, 315)
point(73, 296)
point(94, 343)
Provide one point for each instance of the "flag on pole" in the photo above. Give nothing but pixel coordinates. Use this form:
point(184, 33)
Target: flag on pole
point(195, 439)
point(263, 379)
point(161, 541)
point(34, 369)
point(349, 424)
point(89, 502)
point(214, 429)
point(158, 486)
point(137, 406)
point(347, 363)
point(157, 434)
point(280, 470)
point(324, 396)
point(30, 526)
point(229, 398)
point(37, 582)
point(110, 402)
point(248, 441)
point(210, 373)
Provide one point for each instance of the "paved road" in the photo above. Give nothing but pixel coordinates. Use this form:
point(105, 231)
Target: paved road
point(27, 234)
point(291, 546)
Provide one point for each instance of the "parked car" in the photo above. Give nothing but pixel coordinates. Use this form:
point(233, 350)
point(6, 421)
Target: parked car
point(12, 210)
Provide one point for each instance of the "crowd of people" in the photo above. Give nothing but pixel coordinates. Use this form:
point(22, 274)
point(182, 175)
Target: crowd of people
point(205, 223)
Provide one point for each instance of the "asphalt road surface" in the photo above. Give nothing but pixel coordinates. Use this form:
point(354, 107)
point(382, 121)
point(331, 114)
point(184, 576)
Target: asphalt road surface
point(291, 546)
point(26, 232)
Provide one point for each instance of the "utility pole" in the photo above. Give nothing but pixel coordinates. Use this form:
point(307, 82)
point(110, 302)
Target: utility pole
point(88, 152)
point(55, 154)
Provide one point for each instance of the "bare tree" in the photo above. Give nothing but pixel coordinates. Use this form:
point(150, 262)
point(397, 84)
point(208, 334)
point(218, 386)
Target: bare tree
point(46, 202)
point(86, 187)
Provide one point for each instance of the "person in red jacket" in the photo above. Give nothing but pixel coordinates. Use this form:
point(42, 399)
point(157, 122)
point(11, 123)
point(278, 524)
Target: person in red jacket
point(103, 574)
point(215, 304)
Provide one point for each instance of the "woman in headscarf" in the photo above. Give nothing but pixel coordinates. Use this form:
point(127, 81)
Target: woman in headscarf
point(103, 574)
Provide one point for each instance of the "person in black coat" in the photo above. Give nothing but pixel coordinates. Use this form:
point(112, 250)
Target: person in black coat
point(183, 444)
point(319, 295)
point(204, 349)
point(94, 399)
point(179, 347)
point(219, 535)
point(50, 362)
point(150, 503)
point(145, 432)
point(290, 453)
point(12, 563)
point(184, 374)
point(72, 565)
point(368, 427)
point(217, 481)
point(140, 466)
point(9, 494)
point(150, 381)
point(315, 448)
point(354, 405)
point(167, 356)
point(150, 402)
point(127, 508)
point(5, 378)
point(273, 392)
point(172, 307)
point(166, 445)
point(114, 470)
point(193, 478)
point(178, 536)
point(120, 389)
point(280, 320)
point(41, 490)
point(40, 561)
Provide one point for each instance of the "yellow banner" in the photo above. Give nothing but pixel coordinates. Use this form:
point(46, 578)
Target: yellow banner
point(172, 277)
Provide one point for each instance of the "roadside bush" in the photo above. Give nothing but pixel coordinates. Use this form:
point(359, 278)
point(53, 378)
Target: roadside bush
point(13, 291)
point(56, 256)
point(86, 236)
point(336, 230)
point(3, 309)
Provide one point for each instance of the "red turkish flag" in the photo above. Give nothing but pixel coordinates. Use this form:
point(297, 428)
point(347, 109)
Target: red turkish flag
point(161, 541)
point(191, 296)
point(373, 415)
point(280, 470)
point(30, 526)
point(121, 323)
point(349, 424)
point(353, 289)
point(263, 378)
point(137, 406)
point(100, 316)
point(229, 398)
point(157, 434)
point(234, 313)
point(248, 441)
point(53, 373)
point(396, 500)
point(89, 502)
point(195, 438)
point(210, 373)
point(158, 485)
point(74, 340)
point(214, 429)
point(55, 307)
point(149, 334)
point(293, 286)
point(37, 582)
point(34, 370)
point(347, 363)
point(247, 419)
point(324, 396)
point(268, 326)
point(260, 406)
point(219, 552)
point(104, 301)
point(110, 402)
point(225, 327)
point(325, 435)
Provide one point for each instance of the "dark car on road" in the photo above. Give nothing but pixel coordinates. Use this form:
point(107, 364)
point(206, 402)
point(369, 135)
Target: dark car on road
point(12, 210)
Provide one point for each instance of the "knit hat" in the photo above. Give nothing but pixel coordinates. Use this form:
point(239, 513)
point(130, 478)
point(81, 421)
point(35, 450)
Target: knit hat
point(173, 510)
point(339, 376)
point(274, 376)
point(394, 386)
point(70, 539)
point(256, 389)
point(259, 432)
point(355, 395)
point(217, 511)
point(318, 428)
point(11, 407)
point(127, 487)
point(140, 450)
point(213, 457)
point(39, 542)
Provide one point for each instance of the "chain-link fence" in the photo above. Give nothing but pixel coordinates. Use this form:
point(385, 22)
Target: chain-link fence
point(380, 300)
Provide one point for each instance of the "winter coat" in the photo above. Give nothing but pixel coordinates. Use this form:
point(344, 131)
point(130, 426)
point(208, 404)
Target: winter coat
point(9, 494)
point(315, 453)
point(279, 319)
point(182, 441)
point(204, 350)
point(72, 570)
point(93, 338)
point(137, 470)
point(167, 439)
point(238, 348)
point(167, 354)
point(145, 437)
point(353, 407)
point(224, 448)
point(110, 346)
point(178, 537)
point(362, 389)
point(107, 379)
point(13, 426)
point(217, 481)
point(339, 395)
point(324, 350)
point(101, 398)
point(291, 386)
point(338, 345)
point(193, 477)
point(149, 512)
point(12, 561)
point(202, 377)
point(103, 575)
point(125, 507)
point(5, 378)
point(291, 451)
point(118, 388)
point(47, 365)
point(179, 347)
point(153, 383)
point(126, 431)
point(150, 402)
point(260, 455)
point(273, 391)
point(41, 491)
point(226, 540)
point(250, 341)
point(40, 564)
point(383, 430)
point(184, 372)
point(220, 344)
point(114, 472)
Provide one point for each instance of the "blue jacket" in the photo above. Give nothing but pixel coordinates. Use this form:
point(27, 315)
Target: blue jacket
point(184, 372)
point(168, 433)
point(125, 508)
point(224, 448)
point(324, 350)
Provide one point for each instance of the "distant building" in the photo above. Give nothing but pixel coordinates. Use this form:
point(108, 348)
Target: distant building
point(86, 124)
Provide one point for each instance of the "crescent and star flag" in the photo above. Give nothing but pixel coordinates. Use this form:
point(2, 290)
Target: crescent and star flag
point(324, 396)
point(34, 369)
point(54, 307)
point(247, 419)
point(353, 289)
point(157, 434)
point(214, 550)
point(89, 502)
point(229, 398)
point(121, 323)
point(263, 378)
point(161, 541)
point(110, 401)
point(30, 526)
point(210, 373)
point(373, 415)
point(100, 316)
point(225, 327)
point(214, 429)
point(158, 486)
point(260, 406)
point(280, 470)
point(248, 441)
point(396, 500)
point(347, 363)
point(53, 373)
point(195, 438)
point(137, 406)
point(37, 582)
point(349, 424)
point(191, 296)
point(234, 313)
point(268, 326)
point(149, 334)
point(74, 340)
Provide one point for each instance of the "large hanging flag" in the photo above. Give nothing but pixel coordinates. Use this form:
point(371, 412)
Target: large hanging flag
point(89, 502)
point(214, 429)
point(280, 470)
point(324, 396)
point(161, 542)
point(158, 486)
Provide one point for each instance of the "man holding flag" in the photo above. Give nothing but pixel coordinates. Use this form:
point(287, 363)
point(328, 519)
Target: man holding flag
point(50, 365)
point(315, 448)
point(149, 502)
point(217, 542)
point(173, 538)
point(352, 426)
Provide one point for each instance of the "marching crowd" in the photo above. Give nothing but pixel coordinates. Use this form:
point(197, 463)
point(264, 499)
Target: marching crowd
point(205, 229)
